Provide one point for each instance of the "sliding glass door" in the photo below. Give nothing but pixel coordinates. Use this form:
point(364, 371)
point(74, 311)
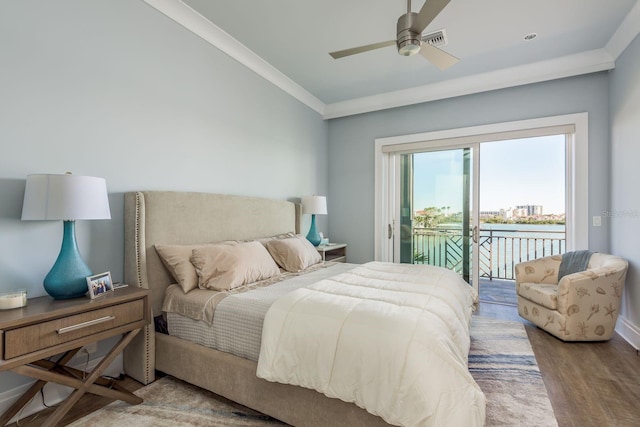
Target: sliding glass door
point(534, 178)
point(438, 220)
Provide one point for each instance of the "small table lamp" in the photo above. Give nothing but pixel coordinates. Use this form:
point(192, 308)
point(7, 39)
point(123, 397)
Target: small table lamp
point(68, 198)
point(314, 205)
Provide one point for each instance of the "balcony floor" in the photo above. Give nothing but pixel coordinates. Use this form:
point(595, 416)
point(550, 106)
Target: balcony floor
point(498, 291)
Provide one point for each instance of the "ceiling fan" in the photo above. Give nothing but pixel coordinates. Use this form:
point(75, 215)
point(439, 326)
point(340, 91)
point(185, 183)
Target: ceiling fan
point(408, 39)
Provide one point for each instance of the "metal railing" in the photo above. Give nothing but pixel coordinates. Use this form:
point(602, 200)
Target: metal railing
point(499, 249)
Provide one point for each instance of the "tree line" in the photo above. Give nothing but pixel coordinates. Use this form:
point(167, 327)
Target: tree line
point(432, 216)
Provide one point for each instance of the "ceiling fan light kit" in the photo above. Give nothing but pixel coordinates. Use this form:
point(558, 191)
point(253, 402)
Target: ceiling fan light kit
point(409, 36)
point(408, 41)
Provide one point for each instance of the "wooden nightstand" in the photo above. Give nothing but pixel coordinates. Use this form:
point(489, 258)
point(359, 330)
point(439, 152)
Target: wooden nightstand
point(47, 327)
point(336, 252)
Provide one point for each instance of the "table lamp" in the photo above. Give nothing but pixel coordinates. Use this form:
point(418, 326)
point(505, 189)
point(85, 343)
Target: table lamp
point(314, 205)
point(68, 198)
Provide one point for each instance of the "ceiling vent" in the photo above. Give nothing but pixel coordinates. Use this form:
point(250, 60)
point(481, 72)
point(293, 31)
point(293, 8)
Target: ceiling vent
point(436, 38)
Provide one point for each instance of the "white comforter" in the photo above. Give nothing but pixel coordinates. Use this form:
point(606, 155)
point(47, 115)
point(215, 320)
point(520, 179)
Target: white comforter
point(391, 338)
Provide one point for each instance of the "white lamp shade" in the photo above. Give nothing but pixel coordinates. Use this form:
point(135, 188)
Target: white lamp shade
point(314, 205)
point(65, 197)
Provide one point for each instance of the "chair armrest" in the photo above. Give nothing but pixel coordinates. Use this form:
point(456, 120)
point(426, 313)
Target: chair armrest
point(541, 270)
point(591, 288)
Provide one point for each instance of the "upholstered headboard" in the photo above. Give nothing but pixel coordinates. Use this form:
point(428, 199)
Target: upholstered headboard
point(166, 217)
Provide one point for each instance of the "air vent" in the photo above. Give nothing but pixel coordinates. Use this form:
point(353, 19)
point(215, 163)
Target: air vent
point(436, 38)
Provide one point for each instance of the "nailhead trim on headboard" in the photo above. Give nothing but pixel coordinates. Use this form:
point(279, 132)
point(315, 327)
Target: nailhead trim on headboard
point(141, 263)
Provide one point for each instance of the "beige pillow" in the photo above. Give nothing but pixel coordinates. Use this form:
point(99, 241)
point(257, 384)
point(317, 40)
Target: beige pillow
point(294, 254)
point(177, 259)
point(265, 240)
point(226, 266)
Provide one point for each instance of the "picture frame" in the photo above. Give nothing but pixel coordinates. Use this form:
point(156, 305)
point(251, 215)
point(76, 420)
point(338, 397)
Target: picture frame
point(100, 284)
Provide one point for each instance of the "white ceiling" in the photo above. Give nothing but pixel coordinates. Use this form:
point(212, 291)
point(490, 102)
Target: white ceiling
point(294, 38)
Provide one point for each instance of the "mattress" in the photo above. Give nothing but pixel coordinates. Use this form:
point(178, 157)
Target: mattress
point(236, 318)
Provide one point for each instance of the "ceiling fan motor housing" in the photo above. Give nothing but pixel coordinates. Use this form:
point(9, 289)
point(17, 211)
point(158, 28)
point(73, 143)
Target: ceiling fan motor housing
point(408, 41)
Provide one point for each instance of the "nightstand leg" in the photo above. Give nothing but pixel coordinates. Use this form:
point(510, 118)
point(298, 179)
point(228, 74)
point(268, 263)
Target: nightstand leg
point(23, 400)
point(34, 389)
point(57, 415)
point(59, 374)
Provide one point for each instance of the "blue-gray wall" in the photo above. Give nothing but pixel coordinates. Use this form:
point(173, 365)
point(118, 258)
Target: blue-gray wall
point(624, 208)
point(351, 146)
point(117, 90)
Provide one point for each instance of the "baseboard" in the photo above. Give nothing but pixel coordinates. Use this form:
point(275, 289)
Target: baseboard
point(628, 331)
point(54, 393)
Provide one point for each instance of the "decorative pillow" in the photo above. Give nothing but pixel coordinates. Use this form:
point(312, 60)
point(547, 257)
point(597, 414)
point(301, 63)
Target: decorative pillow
point(265, 240)
point(294, 254)
point(226, 266)
point(177, 259)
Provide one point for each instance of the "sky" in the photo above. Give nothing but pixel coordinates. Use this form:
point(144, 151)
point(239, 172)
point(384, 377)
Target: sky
point(526, 171)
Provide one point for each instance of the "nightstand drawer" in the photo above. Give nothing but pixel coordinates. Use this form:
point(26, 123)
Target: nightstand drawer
point(38, 336)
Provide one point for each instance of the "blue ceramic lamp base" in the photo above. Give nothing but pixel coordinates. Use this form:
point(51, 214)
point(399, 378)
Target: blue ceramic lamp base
point(68, 276)
point(313, 236)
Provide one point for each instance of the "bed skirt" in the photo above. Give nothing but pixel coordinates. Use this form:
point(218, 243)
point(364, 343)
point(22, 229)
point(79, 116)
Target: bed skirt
point(235, 378)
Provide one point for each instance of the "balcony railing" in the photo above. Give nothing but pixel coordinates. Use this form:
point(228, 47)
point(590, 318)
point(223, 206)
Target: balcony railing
point(500, 249)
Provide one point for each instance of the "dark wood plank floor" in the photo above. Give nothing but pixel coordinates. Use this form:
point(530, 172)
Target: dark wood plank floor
point(589, 384)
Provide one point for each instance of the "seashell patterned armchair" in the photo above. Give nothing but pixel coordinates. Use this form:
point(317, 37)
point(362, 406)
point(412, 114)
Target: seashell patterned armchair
point(582, 306)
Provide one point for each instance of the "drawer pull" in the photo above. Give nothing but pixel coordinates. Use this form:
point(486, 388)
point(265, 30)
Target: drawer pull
point(84, 324)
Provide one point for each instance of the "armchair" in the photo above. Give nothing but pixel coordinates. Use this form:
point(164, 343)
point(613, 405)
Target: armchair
point(582, 306)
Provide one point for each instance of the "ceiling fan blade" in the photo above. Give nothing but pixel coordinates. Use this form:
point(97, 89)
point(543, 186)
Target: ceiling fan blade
point(430, 9)
point(354, 50)
point(438, 57)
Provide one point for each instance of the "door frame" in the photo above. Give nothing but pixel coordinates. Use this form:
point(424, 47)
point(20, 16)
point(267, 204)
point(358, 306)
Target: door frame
point(576, 170)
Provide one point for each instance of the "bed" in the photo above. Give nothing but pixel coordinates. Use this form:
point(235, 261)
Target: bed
point(183, 218)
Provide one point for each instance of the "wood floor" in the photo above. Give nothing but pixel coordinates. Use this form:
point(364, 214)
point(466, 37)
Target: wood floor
point(589, 384)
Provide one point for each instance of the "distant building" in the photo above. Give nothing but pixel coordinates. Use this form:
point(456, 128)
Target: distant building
point(530, 210)
point(506, 213)
point(489, 214)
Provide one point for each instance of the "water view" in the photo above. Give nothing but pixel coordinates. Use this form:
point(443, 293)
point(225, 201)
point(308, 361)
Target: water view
point(520, 201)
point(501, 246)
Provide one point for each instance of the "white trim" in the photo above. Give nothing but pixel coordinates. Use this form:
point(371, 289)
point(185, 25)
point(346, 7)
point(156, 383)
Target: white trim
point(579, 226)
point(628, 331)
point(567, 66)
point(577, 236)
point(570, 191)
point(468, 140)
point(626, 32)
point(384, 167)
point(394, 207)
point(202, 27)
point(475, 215)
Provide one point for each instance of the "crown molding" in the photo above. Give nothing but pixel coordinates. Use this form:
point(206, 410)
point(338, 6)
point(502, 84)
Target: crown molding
point(626, 32)
point(572, 65)
point(202, 27)
point(567, 66)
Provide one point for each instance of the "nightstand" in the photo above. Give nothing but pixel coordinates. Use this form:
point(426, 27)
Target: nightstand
point(336, 252)
point(48, 327)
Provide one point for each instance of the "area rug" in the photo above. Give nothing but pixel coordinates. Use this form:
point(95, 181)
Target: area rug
point(501, 361)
